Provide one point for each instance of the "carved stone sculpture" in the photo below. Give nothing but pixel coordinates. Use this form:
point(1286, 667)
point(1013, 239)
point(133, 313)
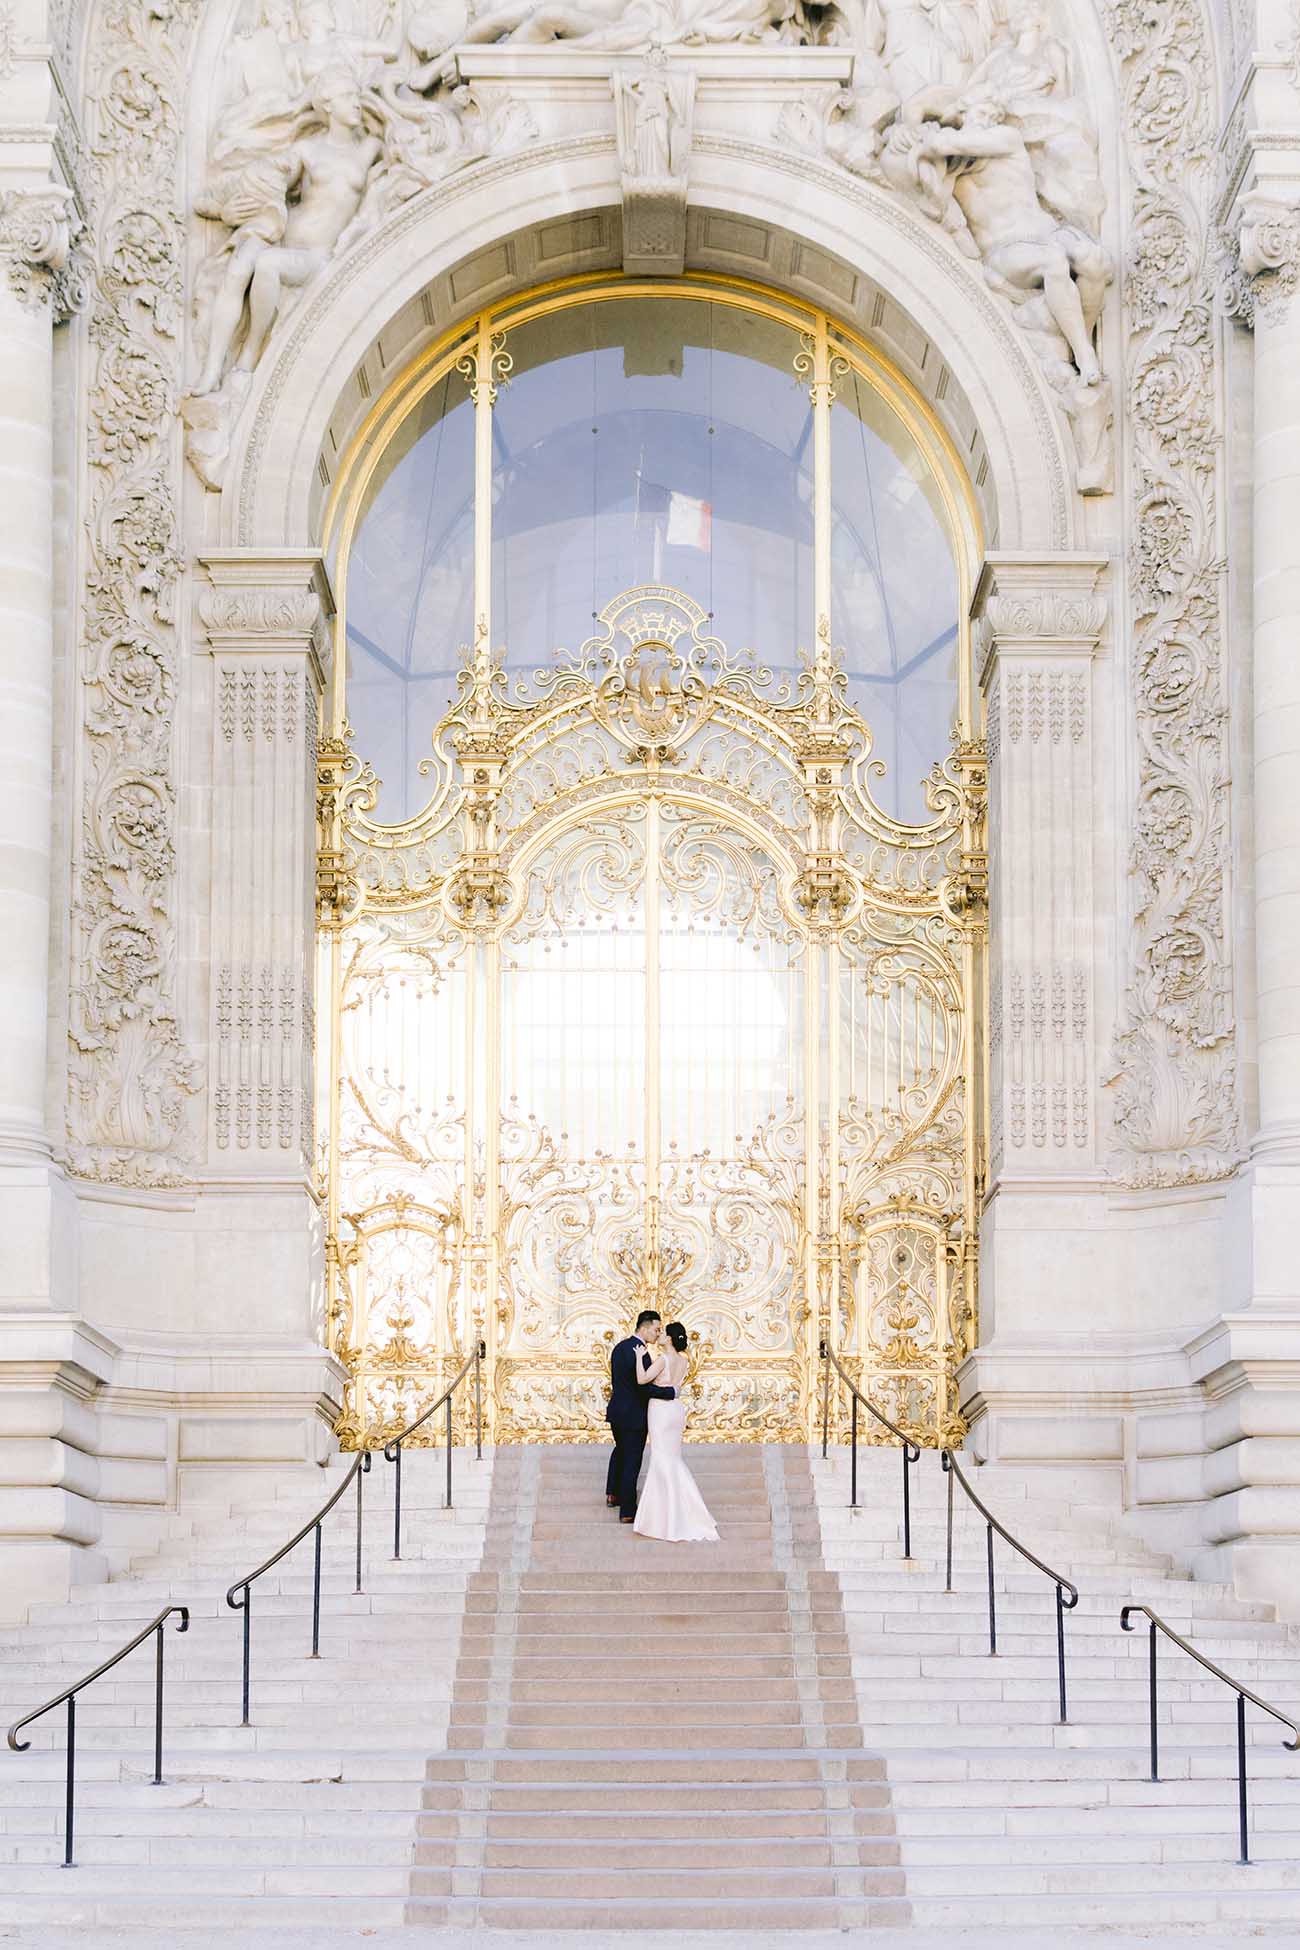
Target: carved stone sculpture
point(653, 109)
point(968, 114)
point(978, 127)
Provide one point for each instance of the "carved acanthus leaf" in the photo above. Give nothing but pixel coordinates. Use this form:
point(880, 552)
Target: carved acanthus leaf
point(1262, 259)
point(40, 233)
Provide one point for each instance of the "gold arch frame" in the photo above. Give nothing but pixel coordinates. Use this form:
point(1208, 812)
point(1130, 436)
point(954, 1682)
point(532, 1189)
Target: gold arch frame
point(814, 736)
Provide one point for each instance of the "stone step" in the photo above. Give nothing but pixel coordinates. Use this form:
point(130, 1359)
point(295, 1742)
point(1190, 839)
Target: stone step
point(733, 1854)
point(260, 1916)
point(687, 1885)
point(666, 1915)
point(610, 1738)
point(650, 1826)
point(656, 1767)
point(647, 1718)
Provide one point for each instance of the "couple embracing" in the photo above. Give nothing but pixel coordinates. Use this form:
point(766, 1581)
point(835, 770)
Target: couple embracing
point(646, 1401)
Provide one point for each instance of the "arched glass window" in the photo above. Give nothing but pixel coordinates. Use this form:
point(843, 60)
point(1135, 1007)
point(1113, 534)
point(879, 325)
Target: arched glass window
point(640, 436)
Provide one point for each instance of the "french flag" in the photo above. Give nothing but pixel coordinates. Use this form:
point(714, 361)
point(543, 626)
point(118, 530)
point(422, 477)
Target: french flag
point(688, 522)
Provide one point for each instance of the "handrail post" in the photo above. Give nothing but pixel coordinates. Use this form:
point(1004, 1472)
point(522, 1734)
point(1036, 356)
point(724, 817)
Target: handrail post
point(826, 1398)
point(853, 1491)
point(248, 1634)
point(70, 1786)
point(993, 1616)
point(1151, 1675)
point(1060, 1650)
point(478, 1400)
point(158, 1709)
point(448, 1502)
point(315, 1598)
point(1241, 1775)
point(907, 1502)
point(360, 1473)
point(397, 1504)
point(947, 1470)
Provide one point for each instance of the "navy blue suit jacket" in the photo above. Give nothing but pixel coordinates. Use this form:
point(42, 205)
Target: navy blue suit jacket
point(629, 1400)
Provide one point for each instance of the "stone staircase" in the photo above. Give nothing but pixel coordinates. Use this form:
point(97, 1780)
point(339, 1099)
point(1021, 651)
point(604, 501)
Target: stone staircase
point(655, 1734)
point(539, 1723)
point(1007, 1820)
point(307, 1818)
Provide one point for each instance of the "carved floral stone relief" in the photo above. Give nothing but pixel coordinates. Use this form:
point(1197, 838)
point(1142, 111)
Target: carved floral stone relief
point(130, 1075)
point(1177, 1113)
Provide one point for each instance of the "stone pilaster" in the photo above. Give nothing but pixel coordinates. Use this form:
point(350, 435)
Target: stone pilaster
point(264, 620)
point(34, 248)
point(1248, 1360)
point(50, 1366)
point(1039, 623)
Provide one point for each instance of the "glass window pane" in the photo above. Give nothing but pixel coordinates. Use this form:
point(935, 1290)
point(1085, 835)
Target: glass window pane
point(894, 592)
point(645, 440)
point(410, 593)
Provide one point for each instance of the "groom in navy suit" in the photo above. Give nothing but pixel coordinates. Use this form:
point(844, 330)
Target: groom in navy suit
point(629, 1406)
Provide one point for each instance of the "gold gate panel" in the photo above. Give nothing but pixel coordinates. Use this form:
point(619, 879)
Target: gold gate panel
point(652, 1006)
point(653, 1003)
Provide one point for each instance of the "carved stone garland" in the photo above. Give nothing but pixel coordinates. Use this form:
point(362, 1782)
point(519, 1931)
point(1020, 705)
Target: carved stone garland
point(130, 1075)
point(1176, 1100)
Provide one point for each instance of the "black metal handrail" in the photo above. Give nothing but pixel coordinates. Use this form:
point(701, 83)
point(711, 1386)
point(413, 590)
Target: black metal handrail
point(1063, 1584)
point(1157, 1624)
point(393, 1448)
point(360, 1468)
point(910, 1450)
point(69, 1696)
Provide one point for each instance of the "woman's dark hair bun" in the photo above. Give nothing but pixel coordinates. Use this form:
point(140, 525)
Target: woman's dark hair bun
point(677, 1335)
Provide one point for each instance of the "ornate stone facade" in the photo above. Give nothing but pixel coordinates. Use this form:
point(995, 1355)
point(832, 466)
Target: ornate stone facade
point(249, 219)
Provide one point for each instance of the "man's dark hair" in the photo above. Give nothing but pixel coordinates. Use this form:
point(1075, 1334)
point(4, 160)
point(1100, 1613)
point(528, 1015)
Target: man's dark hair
point(648, 1314)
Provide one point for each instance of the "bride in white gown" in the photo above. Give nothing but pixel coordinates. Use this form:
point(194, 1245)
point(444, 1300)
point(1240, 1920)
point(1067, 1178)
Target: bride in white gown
point(670, 1505)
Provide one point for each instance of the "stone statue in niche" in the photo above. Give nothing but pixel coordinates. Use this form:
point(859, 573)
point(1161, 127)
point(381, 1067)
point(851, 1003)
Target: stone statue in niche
point(973, 119)
point(652, 125)
point(653, 108)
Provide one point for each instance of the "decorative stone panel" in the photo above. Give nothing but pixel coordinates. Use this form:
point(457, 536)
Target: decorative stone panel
point(264, 620)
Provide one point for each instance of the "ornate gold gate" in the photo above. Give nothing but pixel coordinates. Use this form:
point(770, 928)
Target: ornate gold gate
point(652, 1003)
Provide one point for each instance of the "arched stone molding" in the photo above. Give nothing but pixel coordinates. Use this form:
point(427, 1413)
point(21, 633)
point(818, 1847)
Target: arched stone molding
point(855, 247)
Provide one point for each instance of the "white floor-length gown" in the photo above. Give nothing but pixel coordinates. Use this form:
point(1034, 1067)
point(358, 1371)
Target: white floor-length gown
point(670, 1505)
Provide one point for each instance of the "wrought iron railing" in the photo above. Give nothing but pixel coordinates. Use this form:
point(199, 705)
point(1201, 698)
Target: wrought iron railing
point(1063, 1584)
point(911, 1452)
point(1157, 1624)
point(393, 1449)
point(240, 1595)
point(69, 1697)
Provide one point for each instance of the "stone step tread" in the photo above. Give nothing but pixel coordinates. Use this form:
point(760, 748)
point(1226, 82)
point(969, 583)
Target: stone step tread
point(746, 1884)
